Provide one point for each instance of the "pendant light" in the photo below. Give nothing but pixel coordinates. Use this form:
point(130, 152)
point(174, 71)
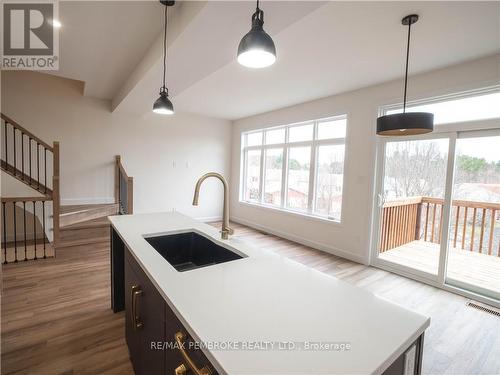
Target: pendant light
point(163, 105)
point(256, 48)
point(411, 123)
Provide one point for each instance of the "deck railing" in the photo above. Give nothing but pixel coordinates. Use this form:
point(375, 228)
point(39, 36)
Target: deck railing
point(474, 226)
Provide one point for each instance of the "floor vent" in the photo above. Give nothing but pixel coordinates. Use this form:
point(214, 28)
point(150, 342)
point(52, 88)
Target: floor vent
point(485, 308)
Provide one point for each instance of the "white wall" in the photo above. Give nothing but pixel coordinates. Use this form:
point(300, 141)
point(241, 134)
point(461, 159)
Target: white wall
point(165, 155)
point(351, 238)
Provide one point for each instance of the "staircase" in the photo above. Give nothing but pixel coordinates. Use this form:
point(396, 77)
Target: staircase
point(35, 225)
point(30, 222)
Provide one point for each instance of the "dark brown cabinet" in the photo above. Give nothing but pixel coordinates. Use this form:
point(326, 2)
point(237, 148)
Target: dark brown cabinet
point(175, 360)
point(158, 342)
point(144, 321)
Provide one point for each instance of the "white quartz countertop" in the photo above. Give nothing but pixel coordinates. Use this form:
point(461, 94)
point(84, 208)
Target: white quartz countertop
point(258, 304)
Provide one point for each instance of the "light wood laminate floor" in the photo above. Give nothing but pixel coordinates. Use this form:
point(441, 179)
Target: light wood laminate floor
point(56, 317)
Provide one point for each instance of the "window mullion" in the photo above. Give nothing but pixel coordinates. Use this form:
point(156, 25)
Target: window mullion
point(284, 176)
point(284, 180)
point(261, 178)
point(245, 171)
point(312, 168)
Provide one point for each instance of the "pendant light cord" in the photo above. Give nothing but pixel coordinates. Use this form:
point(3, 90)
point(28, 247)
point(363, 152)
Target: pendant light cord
point(407, 60)
point(165, 49)
point(258, 6)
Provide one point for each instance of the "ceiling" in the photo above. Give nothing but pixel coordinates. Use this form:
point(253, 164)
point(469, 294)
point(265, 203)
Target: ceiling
point(101, 42)
point(323, 48)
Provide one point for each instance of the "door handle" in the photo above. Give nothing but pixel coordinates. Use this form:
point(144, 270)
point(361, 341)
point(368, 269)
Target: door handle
point(136, 291)
point(179, 338)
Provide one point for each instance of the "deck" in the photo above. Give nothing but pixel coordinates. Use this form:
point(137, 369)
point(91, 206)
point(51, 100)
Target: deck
point(465, 266)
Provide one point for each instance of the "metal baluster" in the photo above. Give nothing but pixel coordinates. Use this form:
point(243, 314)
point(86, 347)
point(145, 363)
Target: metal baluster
point(43, 225)
point(45, 169)
point(15, 231)
point(22, 154)
point(15, 164)
point(29, 144)
point(120, 210)
point(38, 165)
point(25, 240)
point(34, 226)
point(6, 147)
point(4, 235)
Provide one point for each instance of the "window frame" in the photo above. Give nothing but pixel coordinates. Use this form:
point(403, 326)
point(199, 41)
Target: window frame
point(285, 146)
point(452, 125)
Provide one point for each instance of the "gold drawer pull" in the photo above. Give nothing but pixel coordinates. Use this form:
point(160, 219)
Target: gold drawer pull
point(179, 338)
point(136, 292)
point(180, 370)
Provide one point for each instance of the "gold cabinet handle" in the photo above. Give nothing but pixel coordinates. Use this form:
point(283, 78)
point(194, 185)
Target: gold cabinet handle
point(135, 292)
point(181, 370)
point(179, 338)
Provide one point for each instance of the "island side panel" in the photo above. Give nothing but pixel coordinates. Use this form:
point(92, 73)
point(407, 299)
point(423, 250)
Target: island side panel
point(410, 364)
point(117, 272)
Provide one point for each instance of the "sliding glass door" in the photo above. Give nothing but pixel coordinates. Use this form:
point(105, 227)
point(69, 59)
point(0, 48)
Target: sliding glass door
point(474, 235)
point(438, 209)
point(411, 203)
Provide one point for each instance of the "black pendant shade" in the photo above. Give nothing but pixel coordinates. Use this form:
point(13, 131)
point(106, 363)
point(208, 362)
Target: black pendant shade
point(410, 123)
point(256, 48)
point(163, 105)
point(406, 123)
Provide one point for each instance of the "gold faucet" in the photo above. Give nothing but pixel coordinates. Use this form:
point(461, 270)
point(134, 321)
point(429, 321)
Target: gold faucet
point(226, 231)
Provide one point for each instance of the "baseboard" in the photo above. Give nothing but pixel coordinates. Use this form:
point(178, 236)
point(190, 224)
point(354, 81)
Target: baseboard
point(315, 245)
point(209, 219)
point(76, 201)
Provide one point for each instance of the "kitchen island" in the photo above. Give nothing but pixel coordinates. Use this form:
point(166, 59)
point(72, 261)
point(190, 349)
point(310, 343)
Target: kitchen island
point(258, 314)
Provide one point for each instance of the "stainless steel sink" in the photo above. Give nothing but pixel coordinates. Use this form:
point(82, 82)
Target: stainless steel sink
point(188, 251)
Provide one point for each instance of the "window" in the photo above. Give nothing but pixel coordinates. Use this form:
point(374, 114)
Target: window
point(478, 107)
point(252, 183)
point(296, 168)
point(273, 176)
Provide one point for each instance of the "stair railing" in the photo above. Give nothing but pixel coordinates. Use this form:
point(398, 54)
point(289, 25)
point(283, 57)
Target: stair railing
point(22, 237)
point(124, 189)
point(32, 161)
point(26, 157)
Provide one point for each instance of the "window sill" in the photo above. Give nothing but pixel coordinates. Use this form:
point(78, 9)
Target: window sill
point(292, 213)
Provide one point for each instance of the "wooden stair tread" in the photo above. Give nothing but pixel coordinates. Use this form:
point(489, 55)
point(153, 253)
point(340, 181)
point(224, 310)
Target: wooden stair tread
point(69, 209)
point(84, 213)
point(24, 178)
point(83, 241)
point(94, 223)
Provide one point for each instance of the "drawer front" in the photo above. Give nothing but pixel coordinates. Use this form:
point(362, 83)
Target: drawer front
point(174, 359)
